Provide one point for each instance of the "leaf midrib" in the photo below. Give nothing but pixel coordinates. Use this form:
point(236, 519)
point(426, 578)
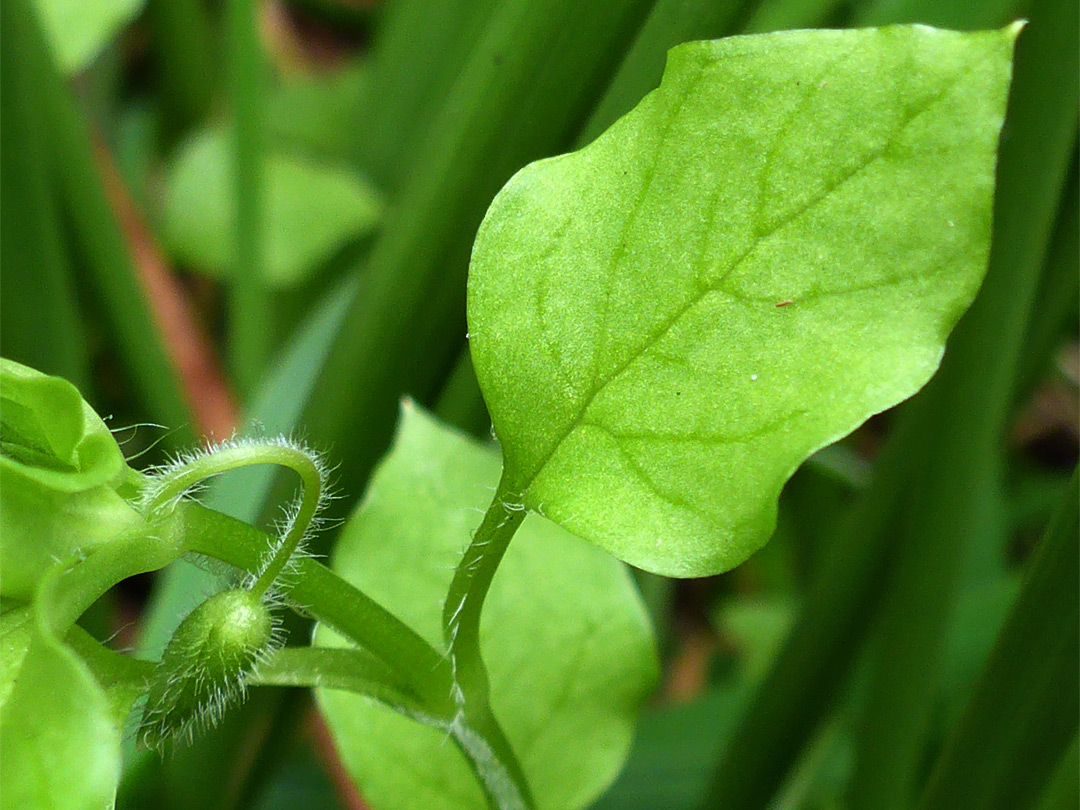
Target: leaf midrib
point(704, 291)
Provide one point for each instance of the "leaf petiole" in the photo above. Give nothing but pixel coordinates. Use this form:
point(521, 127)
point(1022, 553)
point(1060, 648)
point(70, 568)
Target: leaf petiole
point(479, 735)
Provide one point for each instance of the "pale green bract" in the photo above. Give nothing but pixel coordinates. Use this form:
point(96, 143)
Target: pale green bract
point(565, 635)
point(770, 248)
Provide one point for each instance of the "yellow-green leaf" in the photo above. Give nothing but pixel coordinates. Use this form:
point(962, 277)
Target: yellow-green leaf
point(770, 248)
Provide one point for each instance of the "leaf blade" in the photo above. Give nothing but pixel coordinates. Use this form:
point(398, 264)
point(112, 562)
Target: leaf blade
point(594, 348)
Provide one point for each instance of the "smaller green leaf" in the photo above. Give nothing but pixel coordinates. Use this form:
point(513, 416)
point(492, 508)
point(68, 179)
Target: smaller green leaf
point(78, 30)
point(48, 434)
point(60, 730)
point(770, 248)
point(312, 210)
point(564, 634)
point(58, 466)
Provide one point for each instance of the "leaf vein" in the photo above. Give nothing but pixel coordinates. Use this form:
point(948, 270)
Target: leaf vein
point(600, 383)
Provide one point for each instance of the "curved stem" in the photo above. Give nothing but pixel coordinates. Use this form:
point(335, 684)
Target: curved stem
point(171, 483)
point(353, 670)
point(330, 599)
point(469, 588)
point(71, 591)
point(475, 728)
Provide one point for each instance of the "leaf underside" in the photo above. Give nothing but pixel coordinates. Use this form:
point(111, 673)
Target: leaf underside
point(769, 249)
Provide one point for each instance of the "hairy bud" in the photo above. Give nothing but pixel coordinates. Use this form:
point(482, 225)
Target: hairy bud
point(206, 665)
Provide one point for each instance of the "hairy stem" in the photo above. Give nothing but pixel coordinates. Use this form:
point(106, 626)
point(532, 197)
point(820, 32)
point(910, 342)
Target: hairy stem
point(174, 481)
point(330, 599)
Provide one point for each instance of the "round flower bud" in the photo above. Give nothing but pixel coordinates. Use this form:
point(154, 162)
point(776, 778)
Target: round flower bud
point(205, 665)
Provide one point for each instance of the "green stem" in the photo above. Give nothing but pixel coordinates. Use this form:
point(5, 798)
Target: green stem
point(469, 588)
point(475, 728)
point(175, 481)
point(74, 590)
point(353, 670)
point(119, 667)
point(331, 600)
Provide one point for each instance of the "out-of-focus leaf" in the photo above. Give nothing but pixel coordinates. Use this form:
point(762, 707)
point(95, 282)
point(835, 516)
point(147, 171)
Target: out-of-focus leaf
point(666, 323)
point(565, 635)
point(758, 627)
point(78, 30)
point(312, 210)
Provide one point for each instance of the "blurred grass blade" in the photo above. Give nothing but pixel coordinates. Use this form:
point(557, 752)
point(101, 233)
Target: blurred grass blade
point(528, 84)
point(39, 317)
point(1056, 301)
point(670, 23)
point(112, 273)
point(941, 13)
point(781, 15)
point(184, 58)
point(1023, 713)
point(802, 686)
point(1063, 792)
point(250, 313)
point(420, 49)
point(968, 405)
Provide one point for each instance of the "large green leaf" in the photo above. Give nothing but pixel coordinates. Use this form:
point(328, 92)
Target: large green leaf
point(312, 210)
point(770, 248)
point(565, 635)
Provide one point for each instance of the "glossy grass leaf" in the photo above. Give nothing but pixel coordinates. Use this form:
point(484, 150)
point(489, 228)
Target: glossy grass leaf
point(565, 635)
point(770, 248)
point(312, 210)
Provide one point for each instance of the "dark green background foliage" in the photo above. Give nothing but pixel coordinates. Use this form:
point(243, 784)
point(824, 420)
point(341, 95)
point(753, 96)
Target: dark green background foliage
point(310, 176)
